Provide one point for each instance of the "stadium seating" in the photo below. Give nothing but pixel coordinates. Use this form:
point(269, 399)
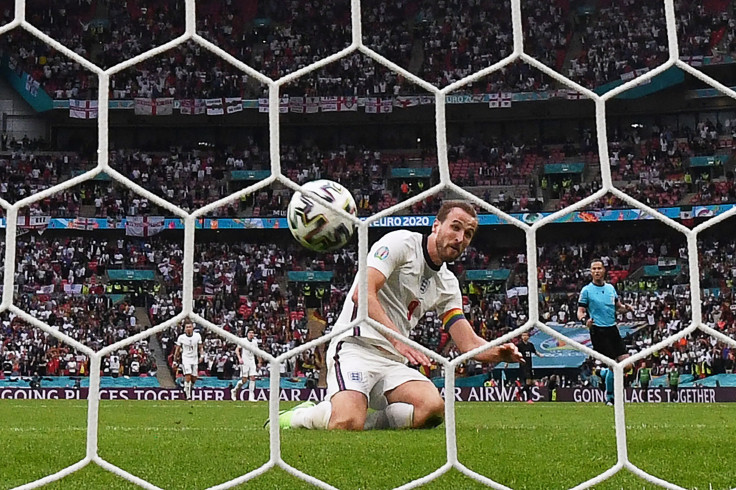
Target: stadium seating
point(432, 39)
point(243, 286)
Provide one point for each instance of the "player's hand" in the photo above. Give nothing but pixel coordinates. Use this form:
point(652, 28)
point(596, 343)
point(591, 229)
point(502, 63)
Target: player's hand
point(589, 323)
point(509, 353)
point(411, 354)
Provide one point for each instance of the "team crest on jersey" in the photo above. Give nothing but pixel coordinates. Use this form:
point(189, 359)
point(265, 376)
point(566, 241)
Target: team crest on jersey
point(356, 376)
point(381, 253)
point(423, 287)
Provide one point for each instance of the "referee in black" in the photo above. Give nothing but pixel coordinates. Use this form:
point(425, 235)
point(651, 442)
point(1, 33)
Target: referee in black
point(526, 373)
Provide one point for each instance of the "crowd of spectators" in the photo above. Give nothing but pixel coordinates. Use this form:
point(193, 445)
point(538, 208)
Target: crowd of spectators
point(460, 39)
point(704, 28)
point(661, 303)
point(243, 286)
point(620, 38)
point(24, 172)
point(715, 192)
point(623, 39)
point(187, 179)
point(61, 281)
point(664, 153)
point(301, 34)
point(92, 319)
point(508, 174)
point(54, 263)
point(563, 266)
point(655, 169)
point(441, 41)
point(652, 166)
point(654, 194)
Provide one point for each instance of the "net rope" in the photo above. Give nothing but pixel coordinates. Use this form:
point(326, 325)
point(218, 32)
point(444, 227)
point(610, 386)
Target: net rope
point(445, 184)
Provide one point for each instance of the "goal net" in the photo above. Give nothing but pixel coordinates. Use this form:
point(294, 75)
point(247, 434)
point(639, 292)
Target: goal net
point(446, 185)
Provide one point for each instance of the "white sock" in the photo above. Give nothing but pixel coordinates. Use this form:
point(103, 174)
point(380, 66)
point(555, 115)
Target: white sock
point(395, 416)
point(316, 417)
point(252, 390)
point(238, 385)
point(188, 389)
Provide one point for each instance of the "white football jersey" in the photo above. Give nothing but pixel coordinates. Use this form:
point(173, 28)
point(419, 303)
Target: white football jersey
point(247, 356)
point(189, 347)
point(414, 285)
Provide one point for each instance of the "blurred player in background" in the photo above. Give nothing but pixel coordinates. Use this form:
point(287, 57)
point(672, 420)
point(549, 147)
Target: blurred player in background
point(526, 373)
point(189, 352)
point(597, 307)
point(248, 368)
point(407, 276)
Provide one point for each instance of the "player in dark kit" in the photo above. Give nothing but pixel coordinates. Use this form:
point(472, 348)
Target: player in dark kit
point(526, 373)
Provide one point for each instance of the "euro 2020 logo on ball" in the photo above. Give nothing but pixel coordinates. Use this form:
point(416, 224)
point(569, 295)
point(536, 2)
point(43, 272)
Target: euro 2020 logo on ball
point(316, 226)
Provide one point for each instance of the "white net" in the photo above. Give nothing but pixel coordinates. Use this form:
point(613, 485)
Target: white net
point(446, 184)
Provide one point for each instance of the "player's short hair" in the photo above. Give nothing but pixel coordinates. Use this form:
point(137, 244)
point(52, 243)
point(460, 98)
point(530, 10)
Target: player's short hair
point(598, 260)
point(449, 205)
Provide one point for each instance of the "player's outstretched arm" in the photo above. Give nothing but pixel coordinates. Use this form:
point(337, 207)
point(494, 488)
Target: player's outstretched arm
point(376, 280)
point(466, 339)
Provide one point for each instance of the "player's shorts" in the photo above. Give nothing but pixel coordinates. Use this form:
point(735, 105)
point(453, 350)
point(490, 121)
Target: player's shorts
point(526, 373)
point(359, 367)
point(607, 341)
point(189, 368)
point(248, 369)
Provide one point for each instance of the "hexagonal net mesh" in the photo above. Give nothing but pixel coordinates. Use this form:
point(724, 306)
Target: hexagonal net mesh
point(446, 184)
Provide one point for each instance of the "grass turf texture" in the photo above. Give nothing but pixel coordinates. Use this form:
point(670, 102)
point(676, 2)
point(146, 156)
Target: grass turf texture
point(185, 445)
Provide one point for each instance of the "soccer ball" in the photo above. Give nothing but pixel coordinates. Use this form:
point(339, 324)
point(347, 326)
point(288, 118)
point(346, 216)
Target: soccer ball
point(315, 226)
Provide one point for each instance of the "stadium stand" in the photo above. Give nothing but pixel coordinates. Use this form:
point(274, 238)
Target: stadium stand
point(441, 42)
point(245, 286)
point(658, 165)
point(661, 170)
point(622, 40)
point(672, 150)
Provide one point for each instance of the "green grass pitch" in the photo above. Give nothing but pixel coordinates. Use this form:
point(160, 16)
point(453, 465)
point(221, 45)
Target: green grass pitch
point(188, 445)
